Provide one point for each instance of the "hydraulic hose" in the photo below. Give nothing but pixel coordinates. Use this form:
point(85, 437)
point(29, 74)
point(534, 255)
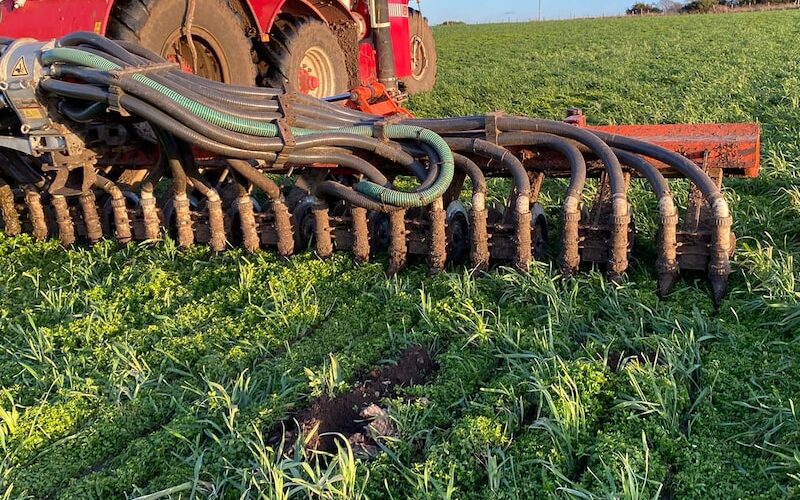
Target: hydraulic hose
point(352, 162)
point(184, 133)
point(419, 198)
point(591, 140)
point(445, 125)
point(494, 152)
point(172, 108)
point(256, 178)
point(221, 119)
point(570, 240)
point(655, 178)
point(260, 129)
point(339, 191)
point(685, 166)
point(474, 173)
point(83, 114)
point(74, 90)
point(564, 147)
point(173, 159)
point(102, 43)
point(667, 236)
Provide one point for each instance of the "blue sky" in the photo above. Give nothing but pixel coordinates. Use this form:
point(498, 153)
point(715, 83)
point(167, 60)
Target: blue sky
point(480, 11)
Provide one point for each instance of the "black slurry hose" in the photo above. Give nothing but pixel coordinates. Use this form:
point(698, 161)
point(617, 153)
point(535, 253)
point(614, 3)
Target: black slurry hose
point(216, 141)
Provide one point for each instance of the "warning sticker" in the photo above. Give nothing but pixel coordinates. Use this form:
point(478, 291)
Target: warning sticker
point(31, 113)
point(20, 69)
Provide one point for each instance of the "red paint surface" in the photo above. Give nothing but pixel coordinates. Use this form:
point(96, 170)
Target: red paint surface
point(46, 19)
point(735, 148)
point(367, 62)
point(401, 39)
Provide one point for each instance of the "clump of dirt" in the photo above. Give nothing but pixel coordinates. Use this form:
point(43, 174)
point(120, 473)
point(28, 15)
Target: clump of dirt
point(414, 367)
point(357, 415)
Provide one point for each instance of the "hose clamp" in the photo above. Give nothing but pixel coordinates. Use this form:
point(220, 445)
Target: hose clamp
point(289, 143)
point(144, 69)
point(286, 107)
point(379, 128)
point(492, 130)
point(115, 93)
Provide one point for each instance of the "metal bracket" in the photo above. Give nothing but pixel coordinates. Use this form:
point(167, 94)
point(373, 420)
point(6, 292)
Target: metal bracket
point(492, 131)
point(20, 72)
point(115, 93)
point(289, 143)
point(37, 145)
point(379, 128)
point(144, 69)
point(286, 108)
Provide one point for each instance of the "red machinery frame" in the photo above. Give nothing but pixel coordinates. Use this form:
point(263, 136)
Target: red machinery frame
point(47, 19)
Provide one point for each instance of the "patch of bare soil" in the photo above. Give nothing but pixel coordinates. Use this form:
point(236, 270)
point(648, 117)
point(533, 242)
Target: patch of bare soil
point(358, 415)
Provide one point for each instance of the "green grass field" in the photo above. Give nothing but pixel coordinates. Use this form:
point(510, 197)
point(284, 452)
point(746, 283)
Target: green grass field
point(132, 371)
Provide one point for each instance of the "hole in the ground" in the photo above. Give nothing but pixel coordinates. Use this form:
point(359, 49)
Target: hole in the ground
point(357, 415)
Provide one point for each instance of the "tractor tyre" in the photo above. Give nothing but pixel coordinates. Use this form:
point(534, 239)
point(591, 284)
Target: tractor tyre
point(423, 55)
point(304, 55)
point(223, 50)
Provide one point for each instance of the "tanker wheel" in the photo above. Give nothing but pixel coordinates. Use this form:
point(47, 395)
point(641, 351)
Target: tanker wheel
point(304, 55)
point(423, 56)
point(303, 222)
point(222, 51)
point(458, 234)
point(540, 238)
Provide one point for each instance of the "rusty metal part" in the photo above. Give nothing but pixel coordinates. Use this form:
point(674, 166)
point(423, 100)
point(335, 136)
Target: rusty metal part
point(33, 201)
point(606, 239)
point(152, 224)
point(11, 223)
point(373, 97)
point(183, 220)
point(322, 231)
point(119, 206)
point(247, 222)
point(706, 242)
point(667, 263)
point(66, 229)
point(361, 247)
point(479, 252)
point(91, 217)
point(570, 258)
point(216, 223)
point(398, 251)
point(437, 257)
point(734, 149)
point(283, 227)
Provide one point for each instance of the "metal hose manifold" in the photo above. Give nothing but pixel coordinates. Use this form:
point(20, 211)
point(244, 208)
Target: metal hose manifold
point(217, 149)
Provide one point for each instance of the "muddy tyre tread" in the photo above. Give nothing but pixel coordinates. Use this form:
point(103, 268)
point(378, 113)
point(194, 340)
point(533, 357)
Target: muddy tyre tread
point(419, 26)
point(143, 22)
point(127, 19)
point(288, 39)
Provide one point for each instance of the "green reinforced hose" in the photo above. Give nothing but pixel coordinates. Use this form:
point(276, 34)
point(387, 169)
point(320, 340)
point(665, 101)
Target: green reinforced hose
point(256, 128)
point(420, 198)
point(224, 120)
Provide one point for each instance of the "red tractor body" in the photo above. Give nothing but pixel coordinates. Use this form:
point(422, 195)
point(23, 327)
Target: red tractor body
point(47, 19)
